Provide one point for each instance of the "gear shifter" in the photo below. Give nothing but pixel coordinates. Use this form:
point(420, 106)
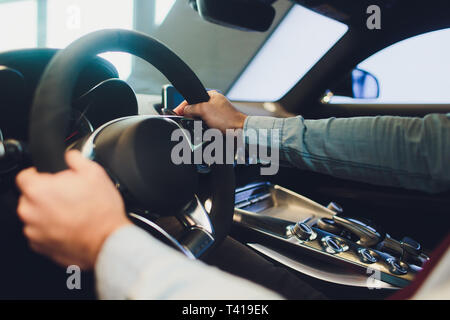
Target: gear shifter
point(367, 235)
point(408, 250)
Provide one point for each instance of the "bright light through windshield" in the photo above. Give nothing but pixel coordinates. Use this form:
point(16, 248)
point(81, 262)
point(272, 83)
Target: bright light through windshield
point(67, 20)
point(207, 48)
point(18, 33)
point(301, 39)
point(215, 53)
point(162, 9)
point(414, 70)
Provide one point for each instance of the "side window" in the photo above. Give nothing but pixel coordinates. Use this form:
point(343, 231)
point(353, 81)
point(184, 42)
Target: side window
point(415, 70)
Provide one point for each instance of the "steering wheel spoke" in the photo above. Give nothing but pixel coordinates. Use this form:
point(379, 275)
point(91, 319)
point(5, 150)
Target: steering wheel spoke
point(154, 229)
point(196, 216)
point(197, 235)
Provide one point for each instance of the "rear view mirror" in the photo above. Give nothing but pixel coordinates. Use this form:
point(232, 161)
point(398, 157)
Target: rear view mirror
point(358, 84)
point(248, 15)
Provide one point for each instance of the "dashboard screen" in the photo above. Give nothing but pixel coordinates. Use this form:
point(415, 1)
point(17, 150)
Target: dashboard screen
point(171, 98)
point(295, 46)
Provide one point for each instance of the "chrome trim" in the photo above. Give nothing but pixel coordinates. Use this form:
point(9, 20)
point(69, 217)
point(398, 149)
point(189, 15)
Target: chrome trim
point(195, 216)
point(2, 146)
point(270, 225)
point(275, 222)
point(305, 203)
point(197, 241)
point(367, 235)
point(172, 240)
point(321, 270)
point(397, 267)
point(340, 245)
point(336, 208)
point(367, 256)
point(303, 232)
point(286, 204)
point(271, 228)
point(2, 150)
point(88, 148)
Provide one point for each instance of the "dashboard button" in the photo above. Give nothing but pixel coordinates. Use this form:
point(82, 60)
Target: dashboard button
point(366, 256)
point(333, 245)
point(397, 267)
point(303, 231)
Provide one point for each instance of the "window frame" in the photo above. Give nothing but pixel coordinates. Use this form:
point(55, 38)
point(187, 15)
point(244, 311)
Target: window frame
point(390, 101)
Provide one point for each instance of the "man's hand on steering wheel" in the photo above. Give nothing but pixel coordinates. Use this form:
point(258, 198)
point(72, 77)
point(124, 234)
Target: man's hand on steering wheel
point(68, 215)
point(217, 113)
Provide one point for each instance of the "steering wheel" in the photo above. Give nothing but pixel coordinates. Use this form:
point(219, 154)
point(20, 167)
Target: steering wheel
point(136, 150)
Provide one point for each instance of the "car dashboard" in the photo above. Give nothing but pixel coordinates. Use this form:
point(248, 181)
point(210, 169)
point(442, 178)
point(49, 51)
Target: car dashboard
point(319, 241)
point(284, 225)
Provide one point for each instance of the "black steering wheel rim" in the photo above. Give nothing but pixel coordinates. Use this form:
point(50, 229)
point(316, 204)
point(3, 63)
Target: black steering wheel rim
point(49, 113)
point(53, 99)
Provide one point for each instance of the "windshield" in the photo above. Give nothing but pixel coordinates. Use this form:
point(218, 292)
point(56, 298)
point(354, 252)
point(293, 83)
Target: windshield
point(221, 57)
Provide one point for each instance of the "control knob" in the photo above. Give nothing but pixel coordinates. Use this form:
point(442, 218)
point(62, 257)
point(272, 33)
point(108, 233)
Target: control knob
point(303, 231)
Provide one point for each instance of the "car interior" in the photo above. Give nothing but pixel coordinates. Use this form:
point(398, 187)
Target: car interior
point(61, 88)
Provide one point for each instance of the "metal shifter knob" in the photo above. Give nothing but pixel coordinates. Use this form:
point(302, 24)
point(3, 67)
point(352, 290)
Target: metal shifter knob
point(367, 235)
point(411, 246)
point(336, 208)
point(302, 231)
point(328, 225)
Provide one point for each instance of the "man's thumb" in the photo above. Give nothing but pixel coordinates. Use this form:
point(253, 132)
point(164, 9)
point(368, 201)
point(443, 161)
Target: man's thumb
point(76, 161)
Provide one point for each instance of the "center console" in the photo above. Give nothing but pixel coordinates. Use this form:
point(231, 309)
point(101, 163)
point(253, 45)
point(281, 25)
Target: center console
point(323, 242)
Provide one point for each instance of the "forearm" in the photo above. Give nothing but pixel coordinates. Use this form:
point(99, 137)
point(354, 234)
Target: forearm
point(134, 265)
point(412, 153)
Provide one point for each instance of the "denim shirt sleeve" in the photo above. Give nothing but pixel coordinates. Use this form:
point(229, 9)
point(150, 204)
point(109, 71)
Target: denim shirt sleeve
point(412, 153)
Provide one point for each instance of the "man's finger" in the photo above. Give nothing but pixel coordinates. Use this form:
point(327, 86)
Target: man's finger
point(193, 111)
point(38, 248)
point(180, 109)
point(25, 209)
point(31, 233)
point(25, 176)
